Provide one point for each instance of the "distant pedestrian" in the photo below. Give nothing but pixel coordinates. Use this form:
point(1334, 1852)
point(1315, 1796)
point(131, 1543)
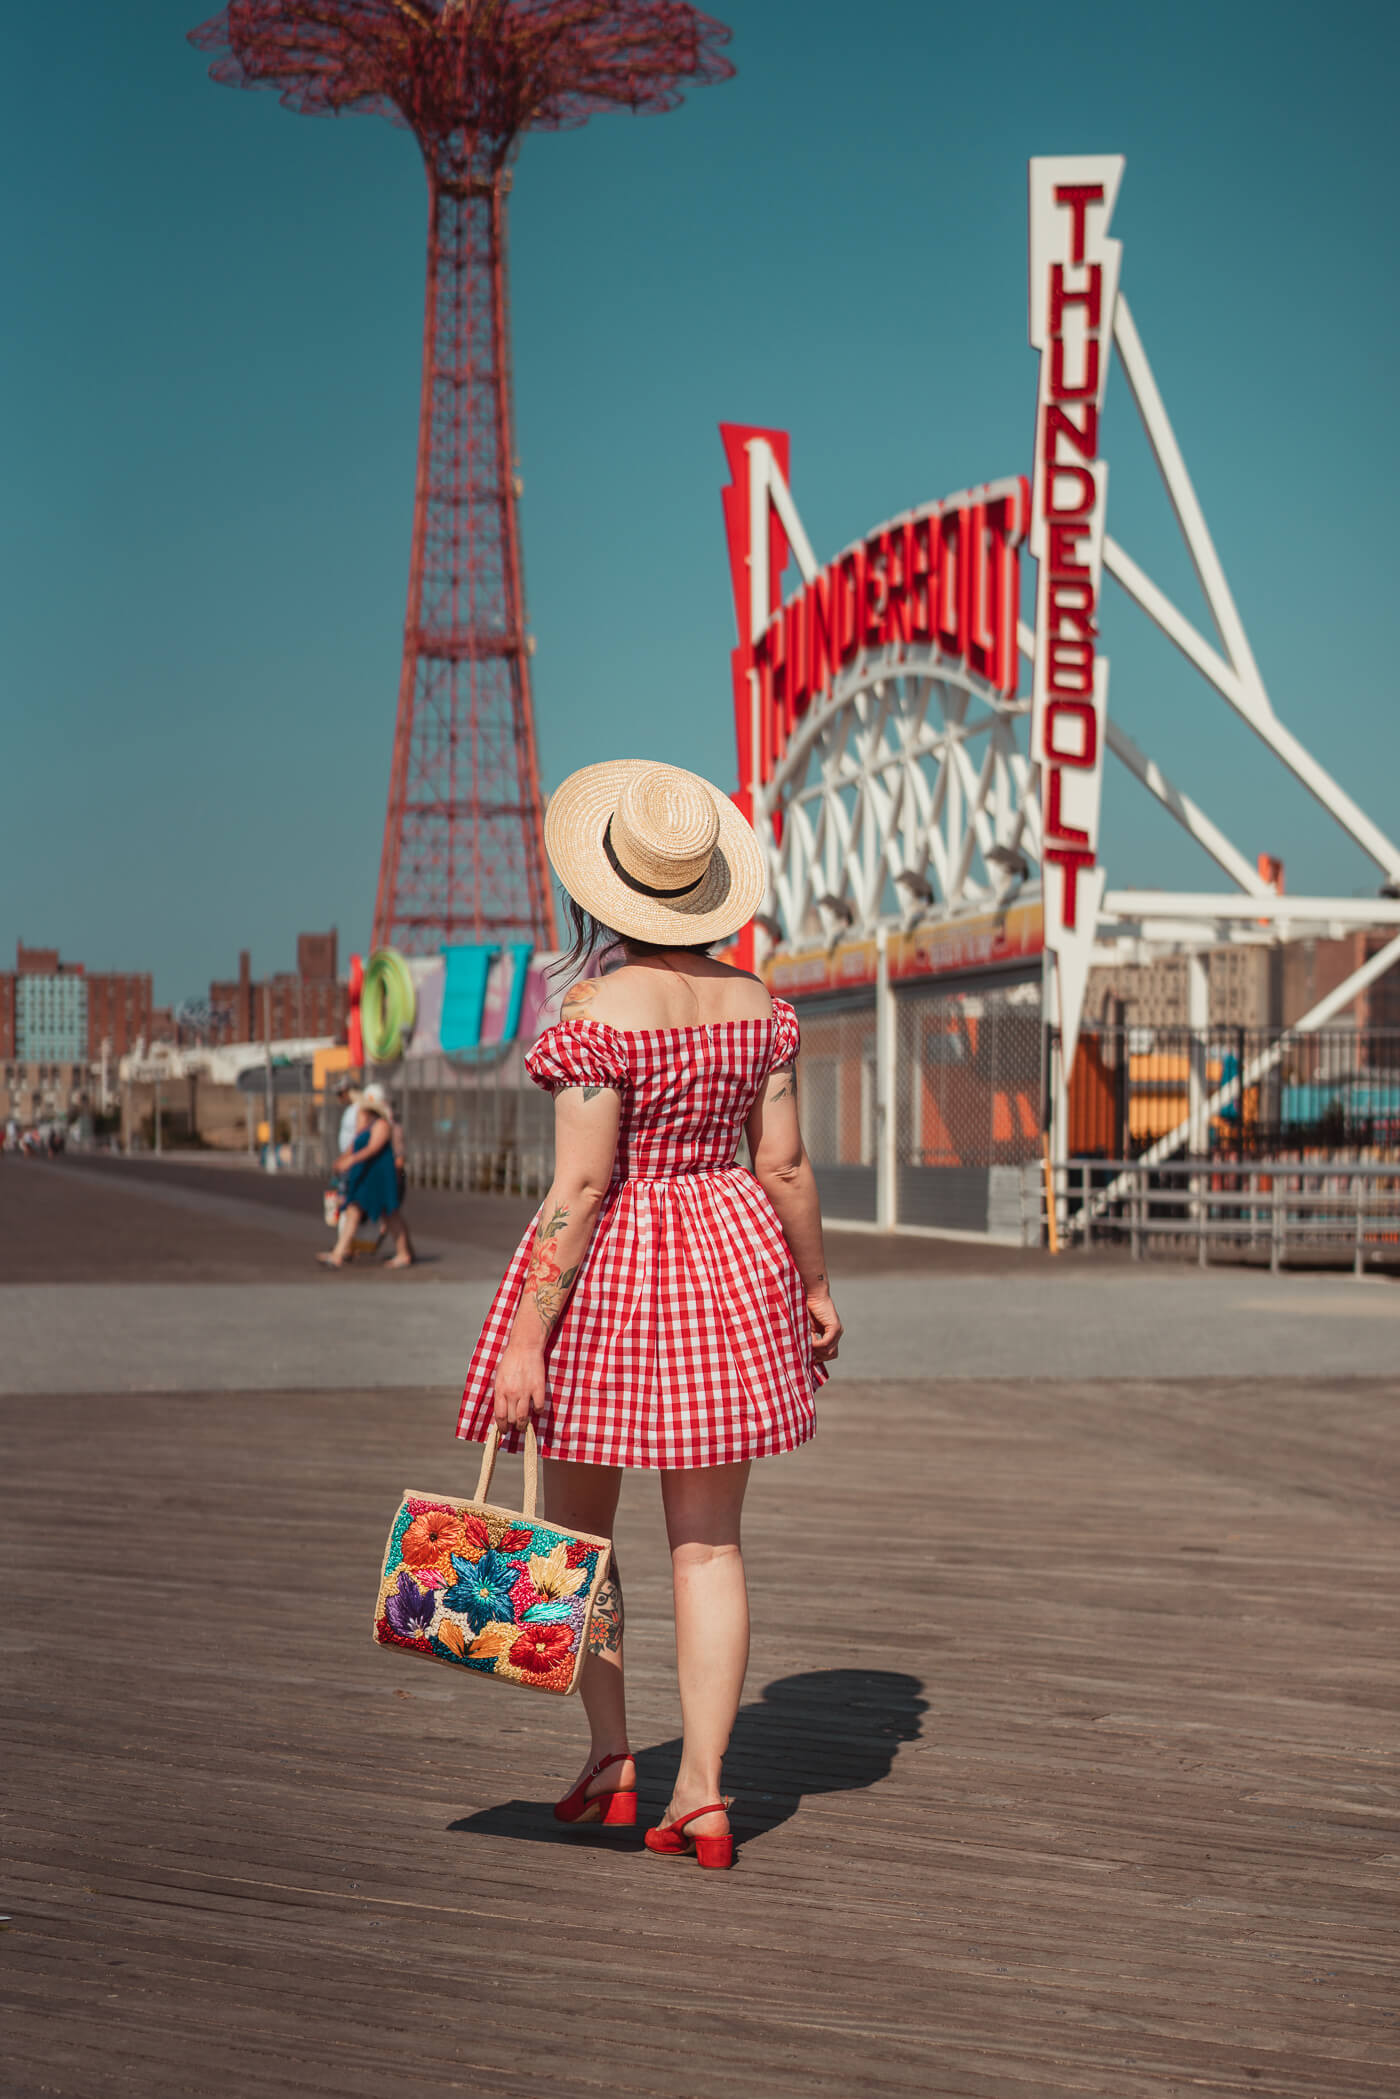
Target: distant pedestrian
point(347, 1095)
point(371, 1182)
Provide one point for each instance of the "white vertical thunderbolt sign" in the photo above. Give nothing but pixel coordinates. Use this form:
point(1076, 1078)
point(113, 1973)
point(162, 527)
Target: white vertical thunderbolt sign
point(1073, 291)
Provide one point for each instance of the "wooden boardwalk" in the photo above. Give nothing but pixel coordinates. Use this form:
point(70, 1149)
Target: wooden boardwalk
point(1067, 1766)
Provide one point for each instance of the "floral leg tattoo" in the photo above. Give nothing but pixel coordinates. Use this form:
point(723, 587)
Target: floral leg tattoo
point(605, 1626)
point(544, 1280)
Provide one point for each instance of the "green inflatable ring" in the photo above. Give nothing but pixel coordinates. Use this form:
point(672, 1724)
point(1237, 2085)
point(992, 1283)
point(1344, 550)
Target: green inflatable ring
point(388, 1005)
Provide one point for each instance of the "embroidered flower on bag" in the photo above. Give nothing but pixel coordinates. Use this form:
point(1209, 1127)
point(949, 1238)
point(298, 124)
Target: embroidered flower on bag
point(482, 1590)
point(494, 1641)
point(432, 1537)
point(409, 1609)
point(540, 1646)
point(553, 1576)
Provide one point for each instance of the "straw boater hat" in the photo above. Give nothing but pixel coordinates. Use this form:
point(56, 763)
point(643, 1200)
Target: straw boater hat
point(654, 852)
point(377, 1101)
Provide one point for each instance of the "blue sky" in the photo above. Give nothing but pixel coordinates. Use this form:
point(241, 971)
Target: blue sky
point(210, 361)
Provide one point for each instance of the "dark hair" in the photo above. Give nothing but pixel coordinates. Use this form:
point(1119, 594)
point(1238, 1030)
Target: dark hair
point(592, 937)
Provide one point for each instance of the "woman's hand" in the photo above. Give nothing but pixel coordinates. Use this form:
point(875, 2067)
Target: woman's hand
point(826, 1327)
point(520, 1385)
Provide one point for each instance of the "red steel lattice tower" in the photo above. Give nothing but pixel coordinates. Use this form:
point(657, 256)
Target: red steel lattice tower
point(463, 854)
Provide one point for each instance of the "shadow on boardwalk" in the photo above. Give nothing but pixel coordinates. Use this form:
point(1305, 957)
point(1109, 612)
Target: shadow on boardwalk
point(826, 1731)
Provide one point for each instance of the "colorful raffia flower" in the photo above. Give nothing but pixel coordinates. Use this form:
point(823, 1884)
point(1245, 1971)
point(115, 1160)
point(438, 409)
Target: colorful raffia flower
point(514, 1540)
point(430, 1577)
point(482, 1591)
point(556, 1611)
point(389, 1638)
point(540, 1646)
point(523, 1595)
point(432, 1537)
point(493, 1641)
point(452, 1637)
point(580, 1555)
point(409, 1609)
point(553, 1576)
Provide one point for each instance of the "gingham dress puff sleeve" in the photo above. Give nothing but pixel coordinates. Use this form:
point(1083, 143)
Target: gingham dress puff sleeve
point(685, 1339)
point(786, 1037)
point(578, 1053)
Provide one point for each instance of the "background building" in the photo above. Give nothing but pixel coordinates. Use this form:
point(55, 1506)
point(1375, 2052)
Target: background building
point(1250, 987)
point(291, 1005)
point(58, 1026)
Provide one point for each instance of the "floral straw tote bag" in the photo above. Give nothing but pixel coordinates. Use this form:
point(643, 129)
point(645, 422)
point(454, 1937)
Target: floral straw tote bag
point(488, 1589)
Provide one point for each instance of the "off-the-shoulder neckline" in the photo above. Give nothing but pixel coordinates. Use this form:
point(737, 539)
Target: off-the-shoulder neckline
point(695, 1027)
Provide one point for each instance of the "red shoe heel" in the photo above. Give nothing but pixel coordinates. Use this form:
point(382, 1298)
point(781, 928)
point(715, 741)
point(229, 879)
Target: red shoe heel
point(714, 1852)
point(615, 1810)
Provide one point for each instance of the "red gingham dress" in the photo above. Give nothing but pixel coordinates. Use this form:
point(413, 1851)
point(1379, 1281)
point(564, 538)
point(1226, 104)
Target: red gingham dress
point(685, 1339)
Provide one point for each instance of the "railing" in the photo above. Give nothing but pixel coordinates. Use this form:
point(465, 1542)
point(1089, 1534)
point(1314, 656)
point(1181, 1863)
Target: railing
point(480, 1169)
point(1238, 1093)
point(1289, 1209)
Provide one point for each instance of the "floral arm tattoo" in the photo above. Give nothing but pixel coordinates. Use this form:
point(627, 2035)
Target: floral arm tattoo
point(545, 1281)
point(605, 1626)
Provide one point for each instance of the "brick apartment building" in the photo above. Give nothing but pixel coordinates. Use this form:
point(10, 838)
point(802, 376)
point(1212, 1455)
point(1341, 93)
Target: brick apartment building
point(1250, 987)
point(56, 1021)
point(53, 1011)
point(311, 1000)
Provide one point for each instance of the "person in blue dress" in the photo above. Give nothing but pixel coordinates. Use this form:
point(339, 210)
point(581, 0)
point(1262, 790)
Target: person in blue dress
point(371, 1182)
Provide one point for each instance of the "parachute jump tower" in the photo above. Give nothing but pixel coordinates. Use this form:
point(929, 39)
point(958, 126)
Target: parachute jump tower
point(463, 855)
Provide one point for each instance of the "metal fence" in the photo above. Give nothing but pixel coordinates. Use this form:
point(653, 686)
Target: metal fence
point(968, 1090)
point(924, 1106)
point(1242, 1093)
point(1344, 1213)
point(480, 1126)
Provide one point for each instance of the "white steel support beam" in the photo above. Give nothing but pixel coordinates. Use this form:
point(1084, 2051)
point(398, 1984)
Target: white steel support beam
point(1192, 819)
point(1150, 905)
point(1189, 515)
point(1239, 681)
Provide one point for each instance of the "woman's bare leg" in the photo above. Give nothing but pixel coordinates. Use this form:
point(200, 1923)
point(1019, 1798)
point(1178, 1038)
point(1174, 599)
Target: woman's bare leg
point(350, 1221)
point(397, 1227)
point(584, 1498)
point(703, 1507)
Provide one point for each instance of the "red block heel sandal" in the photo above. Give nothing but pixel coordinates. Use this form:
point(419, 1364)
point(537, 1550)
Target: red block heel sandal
point(709, 1851)
point(615, 1810)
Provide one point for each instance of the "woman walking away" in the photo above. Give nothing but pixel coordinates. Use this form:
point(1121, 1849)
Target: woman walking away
point(371, 1183)
point(668, 1309)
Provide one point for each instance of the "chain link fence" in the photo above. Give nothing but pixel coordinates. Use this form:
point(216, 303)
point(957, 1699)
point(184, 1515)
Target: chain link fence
point(968, 1108)
point(837, 1105)
point(1235, 1093)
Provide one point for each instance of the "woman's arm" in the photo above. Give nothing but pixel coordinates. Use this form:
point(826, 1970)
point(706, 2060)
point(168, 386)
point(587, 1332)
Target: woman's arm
point(585, 1140)
point(785, 1175)
point(378, 1138)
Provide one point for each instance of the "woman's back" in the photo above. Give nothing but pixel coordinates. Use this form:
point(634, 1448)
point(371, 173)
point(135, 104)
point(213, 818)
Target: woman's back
point(674, 990)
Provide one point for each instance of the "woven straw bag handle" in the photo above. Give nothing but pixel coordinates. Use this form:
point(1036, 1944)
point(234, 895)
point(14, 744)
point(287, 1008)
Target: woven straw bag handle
point(532, 1467)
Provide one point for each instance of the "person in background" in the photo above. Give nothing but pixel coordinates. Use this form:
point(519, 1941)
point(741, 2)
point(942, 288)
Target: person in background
point(371, 1182)
point(347, 1095)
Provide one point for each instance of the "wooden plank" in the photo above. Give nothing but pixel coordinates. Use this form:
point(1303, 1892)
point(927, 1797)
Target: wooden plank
point(1065, 1766)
